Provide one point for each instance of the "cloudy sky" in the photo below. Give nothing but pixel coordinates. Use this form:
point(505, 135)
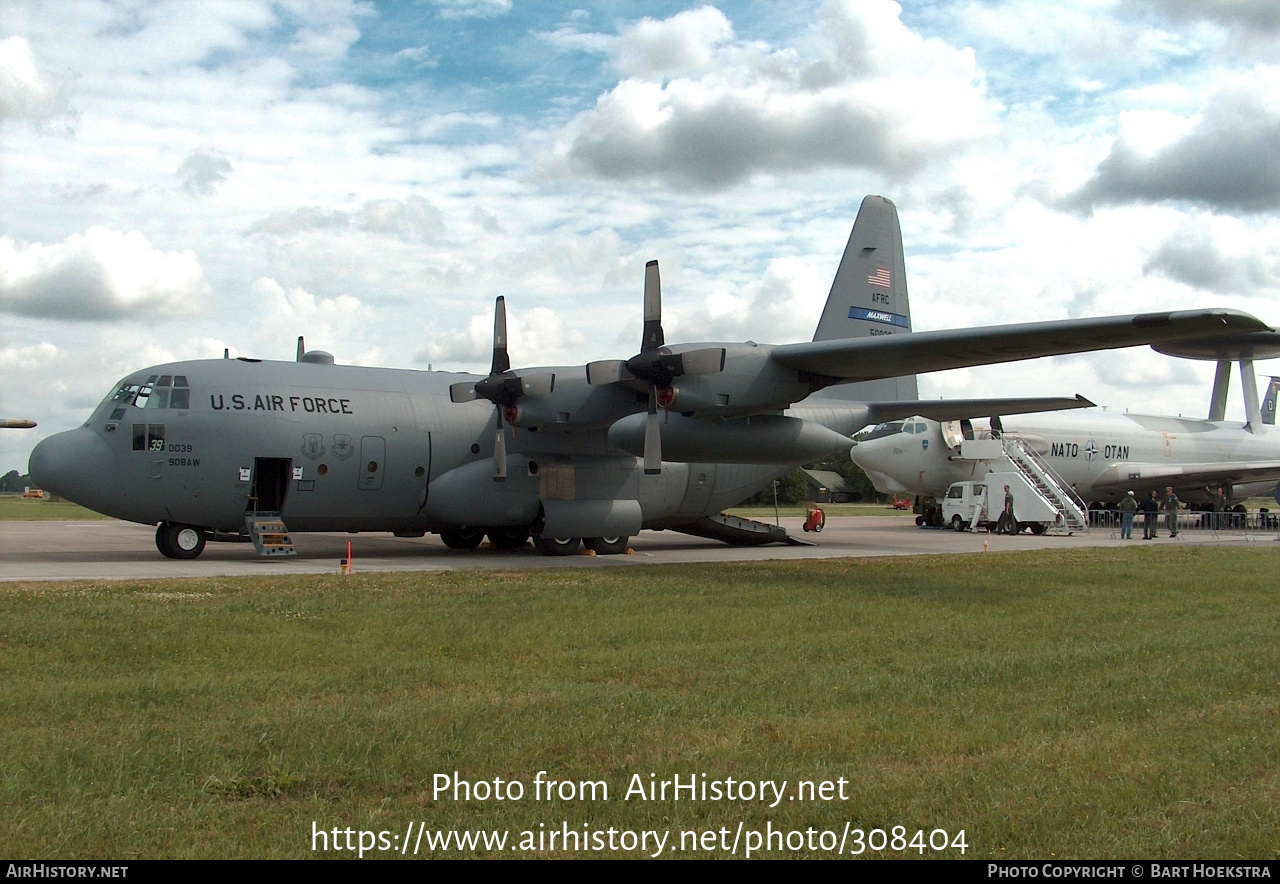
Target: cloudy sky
point(181, 177)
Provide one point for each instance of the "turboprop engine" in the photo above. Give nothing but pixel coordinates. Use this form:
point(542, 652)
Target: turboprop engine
point(758, 439)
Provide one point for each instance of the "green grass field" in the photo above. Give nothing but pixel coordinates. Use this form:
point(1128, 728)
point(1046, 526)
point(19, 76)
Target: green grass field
point(1069, 704)
point(15, 506)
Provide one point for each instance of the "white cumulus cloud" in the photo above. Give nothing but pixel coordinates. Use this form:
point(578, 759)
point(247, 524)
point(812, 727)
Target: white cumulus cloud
point(867, 93)
point(26, 91)
point(101, 274)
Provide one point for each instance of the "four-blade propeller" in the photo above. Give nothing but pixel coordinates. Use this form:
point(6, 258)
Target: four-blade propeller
point(502, 387)
point(656, 366)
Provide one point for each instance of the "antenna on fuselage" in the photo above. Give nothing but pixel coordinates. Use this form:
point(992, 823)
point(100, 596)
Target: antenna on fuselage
point(226, 352)
point(302, 348)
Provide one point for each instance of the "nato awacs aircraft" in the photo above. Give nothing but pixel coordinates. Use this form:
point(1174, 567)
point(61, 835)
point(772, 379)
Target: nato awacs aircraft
point(1101, 454)
point(234, 449)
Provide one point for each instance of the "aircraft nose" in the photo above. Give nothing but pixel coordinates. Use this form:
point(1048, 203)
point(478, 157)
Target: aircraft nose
point(76, 465)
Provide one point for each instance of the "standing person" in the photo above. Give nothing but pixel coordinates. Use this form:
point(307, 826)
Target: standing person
point(1170, 507)
point(1219, 508)
point(1149, 506)
point(1128, 508)
point(1007, 522)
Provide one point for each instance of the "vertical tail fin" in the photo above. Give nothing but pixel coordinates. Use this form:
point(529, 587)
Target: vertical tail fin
point(869, 296)
point(1269, 403)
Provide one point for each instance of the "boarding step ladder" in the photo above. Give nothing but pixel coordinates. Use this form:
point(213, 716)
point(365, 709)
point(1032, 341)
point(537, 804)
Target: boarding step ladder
point(269, 535)
point(1036, 470)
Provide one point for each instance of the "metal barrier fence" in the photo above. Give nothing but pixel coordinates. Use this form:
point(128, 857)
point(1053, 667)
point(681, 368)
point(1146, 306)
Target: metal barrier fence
point(1262, 521)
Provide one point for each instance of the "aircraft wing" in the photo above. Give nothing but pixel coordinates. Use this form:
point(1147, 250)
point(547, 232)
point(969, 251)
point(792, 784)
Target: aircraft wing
point(884, 356)
point(1126, 476)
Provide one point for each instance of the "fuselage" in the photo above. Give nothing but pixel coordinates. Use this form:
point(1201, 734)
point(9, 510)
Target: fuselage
point(345, 448)
point(1090, 449)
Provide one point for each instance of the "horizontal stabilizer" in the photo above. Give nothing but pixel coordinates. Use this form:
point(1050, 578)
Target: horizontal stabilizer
point(959, 409)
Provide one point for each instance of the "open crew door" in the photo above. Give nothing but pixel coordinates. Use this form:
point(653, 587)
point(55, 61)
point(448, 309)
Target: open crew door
point(267, 492)
point(270, 485)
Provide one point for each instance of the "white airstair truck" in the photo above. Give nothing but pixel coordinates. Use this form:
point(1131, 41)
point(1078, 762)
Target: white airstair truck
point(1042, 501)
point(979, 504)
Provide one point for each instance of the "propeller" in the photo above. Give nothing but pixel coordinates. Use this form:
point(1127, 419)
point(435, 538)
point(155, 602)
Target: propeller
point(502, 387)
point(656, 365)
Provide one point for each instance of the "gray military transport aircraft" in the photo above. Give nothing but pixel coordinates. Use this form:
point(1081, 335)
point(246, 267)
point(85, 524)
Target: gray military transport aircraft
point(238, 449)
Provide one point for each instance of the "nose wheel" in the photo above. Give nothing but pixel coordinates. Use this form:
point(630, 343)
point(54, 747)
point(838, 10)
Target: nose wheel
point(179, 541)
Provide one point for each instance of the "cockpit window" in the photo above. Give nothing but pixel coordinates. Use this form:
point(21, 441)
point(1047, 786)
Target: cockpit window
point(126, 393)
point(882, 430)
point(921, 428)
point(162, 391)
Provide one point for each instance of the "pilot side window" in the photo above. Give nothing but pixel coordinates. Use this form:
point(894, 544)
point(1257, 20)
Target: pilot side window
point(148, 437)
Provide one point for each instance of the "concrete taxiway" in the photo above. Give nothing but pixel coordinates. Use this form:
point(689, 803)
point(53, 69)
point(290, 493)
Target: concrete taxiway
point(111, 550)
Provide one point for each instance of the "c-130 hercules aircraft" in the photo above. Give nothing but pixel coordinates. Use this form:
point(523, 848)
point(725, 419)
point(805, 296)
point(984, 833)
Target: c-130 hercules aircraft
point(234, 449)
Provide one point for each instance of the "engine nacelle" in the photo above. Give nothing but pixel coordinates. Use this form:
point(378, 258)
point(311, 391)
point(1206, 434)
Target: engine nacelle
point(759, 439)
point(750, 383)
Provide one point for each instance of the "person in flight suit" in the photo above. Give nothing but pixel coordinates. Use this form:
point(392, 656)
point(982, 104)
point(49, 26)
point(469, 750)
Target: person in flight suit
point(1170, 506)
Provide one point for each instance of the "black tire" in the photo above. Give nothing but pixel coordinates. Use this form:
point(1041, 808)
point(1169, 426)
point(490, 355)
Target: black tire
point(1009, 526)
point(606, 546)
point(508, 538)
point(557, 546)
point(1038, 528)
point(162, 541)
point(958, 523)
point(461, 538)
point(919, 521)
point(180, 541)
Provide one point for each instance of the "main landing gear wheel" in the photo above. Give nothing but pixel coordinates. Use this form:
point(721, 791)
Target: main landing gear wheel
point(462, 538)
point(179, 541)
point(607, 546)
point(557, 546)
point(508, 538)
